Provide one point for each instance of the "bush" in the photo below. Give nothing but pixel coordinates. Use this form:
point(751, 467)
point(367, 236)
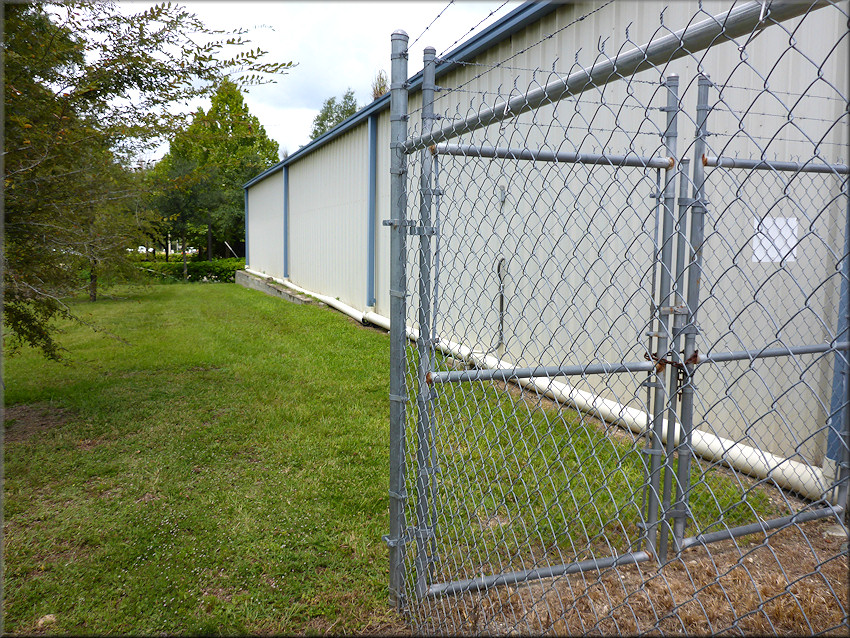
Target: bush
point(219, 270)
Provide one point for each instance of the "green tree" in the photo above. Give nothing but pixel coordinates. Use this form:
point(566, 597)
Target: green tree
point(86, 89)
point(229, 142)
point(332, 113)
point(182, 193)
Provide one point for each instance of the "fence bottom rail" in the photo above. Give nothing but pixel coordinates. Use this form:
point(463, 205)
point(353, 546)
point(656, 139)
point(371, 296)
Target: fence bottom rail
point(511, 578)
point(762, 526)
point(483, 583)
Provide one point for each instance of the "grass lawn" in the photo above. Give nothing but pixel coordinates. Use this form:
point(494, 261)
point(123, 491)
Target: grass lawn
point(222, 469)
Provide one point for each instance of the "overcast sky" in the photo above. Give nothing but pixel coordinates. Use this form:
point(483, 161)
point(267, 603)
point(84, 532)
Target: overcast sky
point(336, 45)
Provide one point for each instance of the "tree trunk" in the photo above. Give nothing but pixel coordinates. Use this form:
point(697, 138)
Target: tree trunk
point(185, 264)
point(92, 280)
point(209, 242)
point(167, 246)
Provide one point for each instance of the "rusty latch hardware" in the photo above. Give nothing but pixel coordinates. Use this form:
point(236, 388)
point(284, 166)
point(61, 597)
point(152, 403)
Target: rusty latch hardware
point(661, 363)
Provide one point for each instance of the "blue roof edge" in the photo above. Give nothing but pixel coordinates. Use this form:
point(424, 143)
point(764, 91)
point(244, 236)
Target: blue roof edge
point(506, 26)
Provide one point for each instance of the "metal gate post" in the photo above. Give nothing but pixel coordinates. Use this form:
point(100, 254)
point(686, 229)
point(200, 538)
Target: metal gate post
point(654, 447)
point(697, 236)
point(679, 311)
point(424, 531)
point(398, 330)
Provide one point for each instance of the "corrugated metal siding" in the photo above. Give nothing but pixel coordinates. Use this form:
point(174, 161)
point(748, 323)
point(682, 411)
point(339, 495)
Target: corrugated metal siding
point(328, 203)
point(265, 225)
point(562, 318)
point(328, 211)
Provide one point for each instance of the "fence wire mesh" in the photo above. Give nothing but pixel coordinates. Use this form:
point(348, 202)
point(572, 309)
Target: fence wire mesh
point(619, 376)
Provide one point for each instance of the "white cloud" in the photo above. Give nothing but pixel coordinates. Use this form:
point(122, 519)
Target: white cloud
point(337, 45)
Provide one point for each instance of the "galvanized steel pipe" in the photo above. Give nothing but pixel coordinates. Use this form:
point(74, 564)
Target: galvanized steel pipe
point(736, 22)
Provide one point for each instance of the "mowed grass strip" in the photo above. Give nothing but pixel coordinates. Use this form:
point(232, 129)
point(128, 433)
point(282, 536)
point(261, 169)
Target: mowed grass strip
point(223, 469)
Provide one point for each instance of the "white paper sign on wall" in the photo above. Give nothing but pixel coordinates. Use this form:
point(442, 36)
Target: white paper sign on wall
point(775, 239)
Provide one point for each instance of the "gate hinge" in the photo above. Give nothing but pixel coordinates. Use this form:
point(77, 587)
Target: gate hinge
point(652, 384)
point(394, 542)
point(686, 330)
point(423, 533)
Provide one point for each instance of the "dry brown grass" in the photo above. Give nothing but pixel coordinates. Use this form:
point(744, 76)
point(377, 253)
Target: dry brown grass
point(791, 582)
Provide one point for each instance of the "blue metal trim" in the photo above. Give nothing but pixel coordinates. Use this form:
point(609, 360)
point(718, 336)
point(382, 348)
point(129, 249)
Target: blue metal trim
point(509, 24)
point(246, 228)
point(373, 210)
point(835, 442)
point(286, 221)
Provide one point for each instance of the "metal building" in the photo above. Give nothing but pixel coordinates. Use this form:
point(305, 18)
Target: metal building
point(314, 220)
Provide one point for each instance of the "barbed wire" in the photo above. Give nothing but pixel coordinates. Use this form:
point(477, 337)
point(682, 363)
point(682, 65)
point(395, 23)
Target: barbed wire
point(446, 92)
point(419, 37)
point(480, 22)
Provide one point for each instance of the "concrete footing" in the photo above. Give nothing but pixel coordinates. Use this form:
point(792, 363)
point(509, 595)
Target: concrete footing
point(271, 287)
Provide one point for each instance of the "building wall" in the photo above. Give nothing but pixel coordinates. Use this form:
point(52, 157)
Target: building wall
point(578, 241)
point(264, 221)
point(327, 218)
point(382, 233)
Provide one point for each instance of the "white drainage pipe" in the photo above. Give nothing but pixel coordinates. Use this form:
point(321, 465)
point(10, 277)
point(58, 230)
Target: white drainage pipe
point(792, 475)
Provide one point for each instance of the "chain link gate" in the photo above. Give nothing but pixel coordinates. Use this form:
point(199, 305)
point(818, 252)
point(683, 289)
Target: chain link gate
point(619, 335)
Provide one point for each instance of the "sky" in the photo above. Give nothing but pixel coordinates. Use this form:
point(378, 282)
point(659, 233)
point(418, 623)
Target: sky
point(336, 45)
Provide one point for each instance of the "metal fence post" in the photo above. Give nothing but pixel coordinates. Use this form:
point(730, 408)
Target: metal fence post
point(679, 313)
point(654, 447)
point(690, 330)
point(424, 347)
point(398, 330)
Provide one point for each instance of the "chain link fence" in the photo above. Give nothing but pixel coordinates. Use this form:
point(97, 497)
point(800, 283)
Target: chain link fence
point(619, 288)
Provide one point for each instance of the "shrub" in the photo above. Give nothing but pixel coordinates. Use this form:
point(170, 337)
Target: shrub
point(219, 270)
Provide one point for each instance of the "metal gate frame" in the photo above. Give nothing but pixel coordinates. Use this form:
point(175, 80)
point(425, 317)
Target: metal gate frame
point(669, 374)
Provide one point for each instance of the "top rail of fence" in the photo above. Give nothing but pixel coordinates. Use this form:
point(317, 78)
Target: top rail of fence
point(696, 37)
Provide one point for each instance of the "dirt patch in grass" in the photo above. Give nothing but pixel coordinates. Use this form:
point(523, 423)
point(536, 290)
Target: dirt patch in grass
point(792, 582)
point(89, 444)
point(60, 553)
point(25, 420)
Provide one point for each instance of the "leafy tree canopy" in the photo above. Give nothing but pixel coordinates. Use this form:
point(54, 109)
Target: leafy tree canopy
point(86, 89)
point(225, 146)
point(332, 113)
